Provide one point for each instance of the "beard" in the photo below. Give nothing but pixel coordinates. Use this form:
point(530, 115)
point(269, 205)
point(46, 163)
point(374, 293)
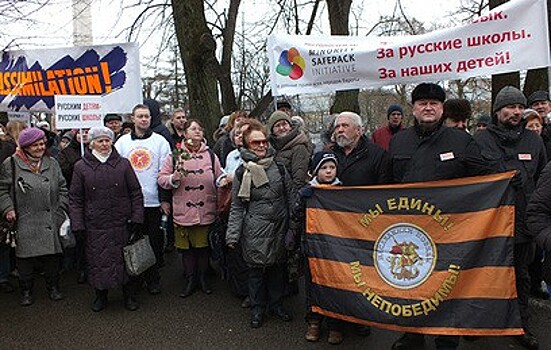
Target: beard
point(343, 141)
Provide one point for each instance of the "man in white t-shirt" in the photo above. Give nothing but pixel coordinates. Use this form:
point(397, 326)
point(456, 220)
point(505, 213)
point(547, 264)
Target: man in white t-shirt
point(146, 151)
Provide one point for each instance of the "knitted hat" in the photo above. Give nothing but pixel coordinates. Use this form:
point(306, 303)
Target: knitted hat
point(484, 119)
point(100, 131)
point(277, 116)
point(319, 158)
point(537, 96)
point(29, 136)
point(509, 95)
point(394, 108)
point(428, 91)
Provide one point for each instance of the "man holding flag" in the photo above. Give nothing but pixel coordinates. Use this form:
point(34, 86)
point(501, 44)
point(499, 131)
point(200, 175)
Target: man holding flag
point(429, 151)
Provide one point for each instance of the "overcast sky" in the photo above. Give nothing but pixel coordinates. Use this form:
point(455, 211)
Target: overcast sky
point(53, 27)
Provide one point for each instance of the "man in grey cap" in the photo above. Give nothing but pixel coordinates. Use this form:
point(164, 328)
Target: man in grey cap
point(507, 145)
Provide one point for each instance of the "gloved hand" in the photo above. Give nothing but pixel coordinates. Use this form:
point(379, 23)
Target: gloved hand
point(136, 231)
point(290, 240)
point(306, 192)
point(516, 181)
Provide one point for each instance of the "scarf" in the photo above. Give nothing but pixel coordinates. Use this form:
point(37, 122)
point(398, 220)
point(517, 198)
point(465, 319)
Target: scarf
point(101, 157)
point(33, 163)
point(255, 174)
point(506, 136)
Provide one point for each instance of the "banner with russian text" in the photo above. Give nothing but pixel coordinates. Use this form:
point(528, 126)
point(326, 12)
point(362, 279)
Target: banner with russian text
point(30, 79)
point(431, 258)
point(511, 37)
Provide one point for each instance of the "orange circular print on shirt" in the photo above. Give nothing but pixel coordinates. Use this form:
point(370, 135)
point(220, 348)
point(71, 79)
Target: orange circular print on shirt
point(140, 159)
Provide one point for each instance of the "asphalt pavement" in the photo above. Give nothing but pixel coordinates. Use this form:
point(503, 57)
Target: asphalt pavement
point(201, 321)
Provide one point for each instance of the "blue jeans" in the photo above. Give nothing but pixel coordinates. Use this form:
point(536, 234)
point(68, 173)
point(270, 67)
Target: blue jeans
point(5, 267)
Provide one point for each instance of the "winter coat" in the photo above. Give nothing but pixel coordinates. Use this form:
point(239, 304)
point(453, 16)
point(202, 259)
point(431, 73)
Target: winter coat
point(515, 149)
point(381, 137)
point(194, 198)
point(367, 164)
point(446, 153)
point(7, 148)
point(259, 226)
point(67, 159)
point(223, 147)
point(294, 151)
point(40, 209)
point(104, 198)
point(538, 213)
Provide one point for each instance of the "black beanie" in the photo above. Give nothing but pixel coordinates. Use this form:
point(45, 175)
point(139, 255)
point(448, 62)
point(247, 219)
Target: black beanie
point(428, 91)
point(394, 108)
point(458, 109)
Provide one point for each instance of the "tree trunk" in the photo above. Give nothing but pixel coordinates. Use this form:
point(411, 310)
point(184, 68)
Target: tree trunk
point(339, 11)
point(501, 80)
point(198, 47)
point(227, 91)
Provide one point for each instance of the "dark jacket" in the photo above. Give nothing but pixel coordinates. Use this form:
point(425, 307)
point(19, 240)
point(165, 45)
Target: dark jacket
point(67, 159)
point(538, 213)
point(367, 164)
point(156, 123)
point(103, 198)
point(446, 153)
point(293, 151)
point(259, 226)
point(222, 147)
point(7, 148)
point(515, 149)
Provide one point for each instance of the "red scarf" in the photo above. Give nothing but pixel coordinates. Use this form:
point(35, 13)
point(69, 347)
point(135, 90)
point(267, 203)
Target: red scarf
point(23, 156)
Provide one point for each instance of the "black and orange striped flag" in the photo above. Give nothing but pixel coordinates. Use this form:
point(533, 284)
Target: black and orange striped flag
point(432, 257)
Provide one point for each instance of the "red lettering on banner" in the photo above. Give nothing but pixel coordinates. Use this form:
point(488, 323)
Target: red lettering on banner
point(425, 48)
point(497, 38)
point(491, 17)
point(481, 62)
point(427, 69)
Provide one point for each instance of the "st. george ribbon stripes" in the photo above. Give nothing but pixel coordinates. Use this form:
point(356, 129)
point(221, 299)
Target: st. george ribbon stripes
point(429, 257)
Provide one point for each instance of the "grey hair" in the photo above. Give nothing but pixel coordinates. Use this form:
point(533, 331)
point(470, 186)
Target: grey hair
point(356, 119)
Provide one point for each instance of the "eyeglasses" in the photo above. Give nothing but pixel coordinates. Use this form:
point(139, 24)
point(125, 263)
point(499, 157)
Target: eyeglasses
point(257, 143)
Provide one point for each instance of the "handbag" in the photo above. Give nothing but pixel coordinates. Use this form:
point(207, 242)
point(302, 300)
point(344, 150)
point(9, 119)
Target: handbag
point(66, 236)
point(138, 256)
point(8, 230)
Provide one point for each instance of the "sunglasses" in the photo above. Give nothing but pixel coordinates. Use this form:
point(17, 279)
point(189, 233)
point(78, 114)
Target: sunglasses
point(256, 143)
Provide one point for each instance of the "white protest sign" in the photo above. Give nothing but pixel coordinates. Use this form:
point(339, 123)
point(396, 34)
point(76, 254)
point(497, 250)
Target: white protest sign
point(78, 112)
point(511, 37)
point(24, 117)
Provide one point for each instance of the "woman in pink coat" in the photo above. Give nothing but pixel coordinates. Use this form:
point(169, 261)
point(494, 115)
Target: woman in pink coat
point(190, 173)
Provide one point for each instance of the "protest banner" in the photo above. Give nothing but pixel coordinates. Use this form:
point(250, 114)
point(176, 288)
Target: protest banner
point(24, 117)
point(432, 257)
point(30, 79)
point(78, 112)
point(511, 37)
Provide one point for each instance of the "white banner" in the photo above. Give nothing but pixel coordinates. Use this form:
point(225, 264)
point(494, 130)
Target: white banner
point(24, 117)
point(30, 79)
point(511, 37)
point(76, 112)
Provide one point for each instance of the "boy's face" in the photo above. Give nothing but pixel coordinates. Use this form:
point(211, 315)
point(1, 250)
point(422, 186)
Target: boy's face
point(327, 172)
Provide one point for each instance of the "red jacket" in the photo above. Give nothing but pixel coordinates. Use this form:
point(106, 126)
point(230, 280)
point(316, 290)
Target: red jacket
point(382, 136)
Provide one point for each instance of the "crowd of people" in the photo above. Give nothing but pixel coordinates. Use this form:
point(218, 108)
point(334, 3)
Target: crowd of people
point(250, 188)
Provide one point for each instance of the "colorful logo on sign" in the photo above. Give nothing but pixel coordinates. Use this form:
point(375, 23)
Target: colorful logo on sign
point(291, 64)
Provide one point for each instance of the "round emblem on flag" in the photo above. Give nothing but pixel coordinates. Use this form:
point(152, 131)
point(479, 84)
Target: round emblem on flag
point(404, 256)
